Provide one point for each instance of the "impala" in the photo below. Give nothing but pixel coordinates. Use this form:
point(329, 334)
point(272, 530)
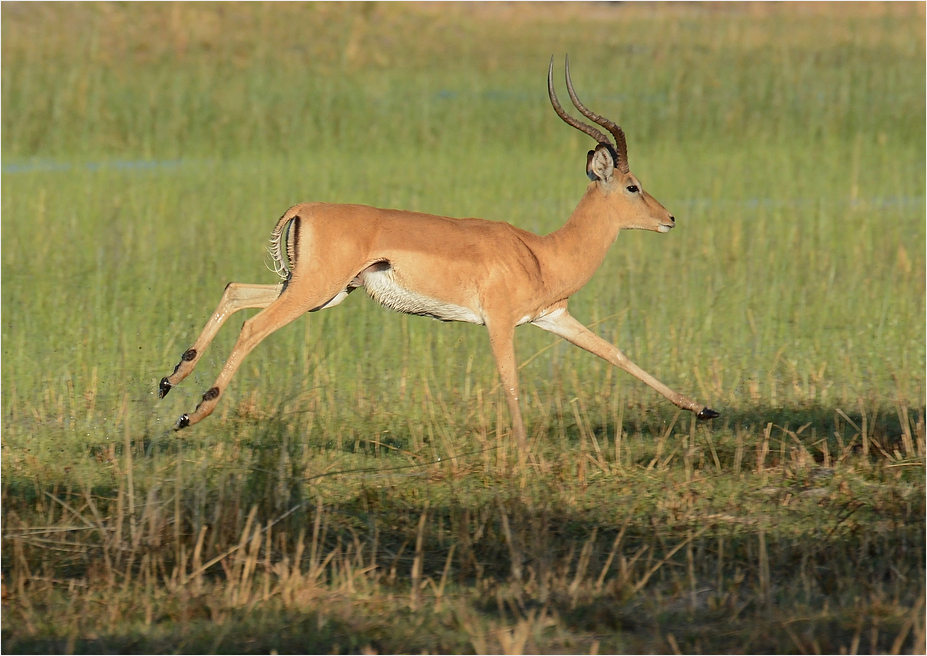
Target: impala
point(485, 272)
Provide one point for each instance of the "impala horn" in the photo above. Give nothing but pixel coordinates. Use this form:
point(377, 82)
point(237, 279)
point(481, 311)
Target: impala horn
point(620, 148)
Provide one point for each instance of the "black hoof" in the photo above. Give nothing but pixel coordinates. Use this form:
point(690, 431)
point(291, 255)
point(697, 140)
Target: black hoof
point(708, 413)
point(183, 422)
point(164, 387)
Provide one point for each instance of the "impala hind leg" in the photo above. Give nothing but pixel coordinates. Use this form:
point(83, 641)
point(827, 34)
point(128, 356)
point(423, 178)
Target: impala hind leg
point(237, 296)
point(561, 323)
point(284, 309)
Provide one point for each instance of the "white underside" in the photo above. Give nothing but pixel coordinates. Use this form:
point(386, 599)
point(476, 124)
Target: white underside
point(549, 320)
point(340, 296)
point(382, 287)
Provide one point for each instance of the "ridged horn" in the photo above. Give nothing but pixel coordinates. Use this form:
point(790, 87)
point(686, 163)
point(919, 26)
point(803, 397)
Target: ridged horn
point(621, 145)
point(569, 120)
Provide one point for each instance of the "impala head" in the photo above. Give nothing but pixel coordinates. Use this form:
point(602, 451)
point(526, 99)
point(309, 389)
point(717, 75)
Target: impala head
point(607, 167)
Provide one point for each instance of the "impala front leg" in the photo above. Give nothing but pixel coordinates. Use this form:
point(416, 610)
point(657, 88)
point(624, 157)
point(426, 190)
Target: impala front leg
point(237, 296)
point(502, 341)
point(561, 323)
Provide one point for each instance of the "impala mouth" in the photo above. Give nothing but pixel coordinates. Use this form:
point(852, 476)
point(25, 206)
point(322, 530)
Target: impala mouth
point(665, 227)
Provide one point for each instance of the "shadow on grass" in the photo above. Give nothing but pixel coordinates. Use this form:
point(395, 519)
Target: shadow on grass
point(681, 556)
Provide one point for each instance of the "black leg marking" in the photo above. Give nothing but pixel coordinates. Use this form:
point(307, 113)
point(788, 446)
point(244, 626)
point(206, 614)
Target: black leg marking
point(183, 422)
point(164, 387)
point(210, 394)
point(292, 245)
point(708, 413)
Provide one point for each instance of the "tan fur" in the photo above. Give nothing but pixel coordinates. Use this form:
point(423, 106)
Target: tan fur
point(483, 272)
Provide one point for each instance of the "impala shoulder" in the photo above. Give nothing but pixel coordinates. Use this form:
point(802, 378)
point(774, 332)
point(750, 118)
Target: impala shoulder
point(528, 243)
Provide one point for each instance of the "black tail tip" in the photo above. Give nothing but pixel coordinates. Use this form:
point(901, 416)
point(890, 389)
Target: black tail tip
point(183, 422)
point(164, 387)
point(708, 413)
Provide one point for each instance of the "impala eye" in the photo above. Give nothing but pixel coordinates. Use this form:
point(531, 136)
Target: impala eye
point(633, 189)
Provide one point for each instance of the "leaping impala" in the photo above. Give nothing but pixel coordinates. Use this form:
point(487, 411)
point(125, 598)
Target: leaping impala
point(484, 272)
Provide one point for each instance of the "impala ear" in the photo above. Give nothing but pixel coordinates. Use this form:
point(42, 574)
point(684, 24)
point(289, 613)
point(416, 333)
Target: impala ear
point(600, 163)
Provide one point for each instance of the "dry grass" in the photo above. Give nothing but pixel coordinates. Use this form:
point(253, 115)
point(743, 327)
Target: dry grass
point(692, 548)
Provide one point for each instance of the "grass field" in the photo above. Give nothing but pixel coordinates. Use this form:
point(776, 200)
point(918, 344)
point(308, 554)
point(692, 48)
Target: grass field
point(357, 489)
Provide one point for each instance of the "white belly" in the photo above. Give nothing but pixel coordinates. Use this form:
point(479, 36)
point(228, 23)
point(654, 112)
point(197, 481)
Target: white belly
point(385, 290)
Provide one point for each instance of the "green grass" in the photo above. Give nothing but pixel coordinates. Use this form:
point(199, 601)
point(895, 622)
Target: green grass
point(148, 150)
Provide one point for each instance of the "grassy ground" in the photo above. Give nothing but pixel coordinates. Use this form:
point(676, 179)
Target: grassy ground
point(357, 489)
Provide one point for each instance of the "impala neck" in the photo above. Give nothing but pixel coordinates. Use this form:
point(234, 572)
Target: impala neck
point(578, 248)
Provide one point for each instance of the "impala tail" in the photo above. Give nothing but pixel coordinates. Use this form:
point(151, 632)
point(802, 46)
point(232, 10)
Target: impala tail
point(284, 242)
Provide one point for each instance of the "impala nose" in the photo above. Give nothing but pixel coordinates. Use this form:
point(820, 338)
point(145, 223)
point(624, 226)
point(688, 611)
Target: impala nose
point(672, 219)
